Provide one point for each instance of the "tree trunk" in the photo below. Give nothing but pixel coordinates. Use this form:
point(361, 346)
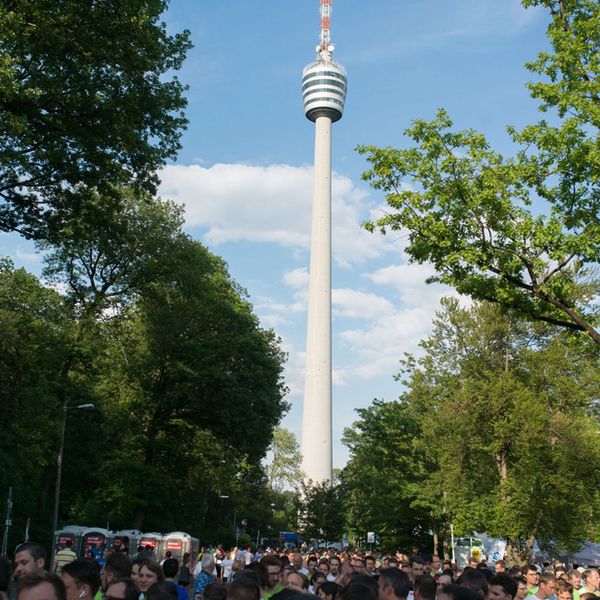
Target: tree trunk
point(434, 529)
point(138, 518)
point(518, 551)
point(445, 551)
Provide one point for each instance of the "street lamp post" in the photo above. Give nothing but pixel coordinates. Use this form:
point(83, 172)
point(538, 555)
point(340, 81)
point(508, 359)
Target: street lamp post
point(66, 407)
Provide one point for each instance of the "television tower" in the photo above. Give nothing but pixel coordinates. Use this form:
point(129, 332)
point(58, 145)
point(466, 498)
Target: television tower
point(324, 92)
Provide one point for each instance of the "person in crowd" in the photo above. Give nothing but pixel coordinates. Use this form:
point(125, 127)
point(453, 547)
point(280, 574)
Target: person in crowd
point(203, 574)
point(425, 588)
point(563, 590)
point(297, 563)
point(328, 590)
point(357, 591)
point(161, 590)
point(117, 566)
point(243, 588)
point(297, 581)
point(392, 584)
point(323, 567)
point(272, 563)
point(457, 592)
point(122, 589)
point(184, 575)
point(170, 569)
point(358, 565)
point(444, 579)
point(135, 570)
point(315, 582)
point(149, 573)
point(417, 568)
point(475, 580)
point(502, 586)
point(227, 567)
point(547, 583)
point(370, 565)
point(5, 577)
point(591, 581)
point(521, 588)
point(30, 557)
point(215, 591)
point(39, 585)
point(81, 578)
point(63, 557)
point(532, 576)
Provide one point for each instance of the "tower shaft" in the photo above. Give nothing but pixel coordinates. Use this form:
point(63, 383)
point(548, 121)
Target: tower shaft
point(316, 427)
point(324, 87)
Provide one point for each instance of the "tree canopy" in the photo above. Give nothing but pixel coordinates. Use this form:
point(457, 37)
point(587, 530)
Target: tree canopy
point(523, 230)
point(150, 327)
point(87, 98)
point(496, 432)
point(285, 466)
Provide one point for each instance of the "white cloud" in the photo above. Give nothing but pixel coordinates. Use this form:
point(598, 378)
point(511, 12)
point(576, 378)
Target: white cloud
point(297, 278)
point(409, 281)
point(358, 305)
point(28, 256)
point(235, 202)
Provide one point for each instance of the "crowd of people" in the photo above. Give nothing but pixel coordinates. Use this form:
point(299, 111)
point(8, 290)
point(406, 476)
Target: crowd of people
point(283, 575)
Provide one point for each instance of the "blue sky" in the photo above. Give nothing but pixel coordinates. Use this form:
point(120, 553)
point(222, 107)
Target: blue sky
point(245, 170)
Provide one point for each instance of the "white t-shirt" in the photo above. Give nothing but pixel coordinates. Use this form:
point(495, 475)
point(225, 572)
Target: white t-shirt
point(227, 566)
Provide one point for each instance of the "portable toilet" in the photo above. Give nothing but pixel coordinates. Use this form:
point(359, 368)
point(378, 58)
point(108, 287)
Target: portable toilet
point(179, 542)
point(126, 540)
point(153, 541)
point(194, 547)
point(70, 533)
point(93, 543)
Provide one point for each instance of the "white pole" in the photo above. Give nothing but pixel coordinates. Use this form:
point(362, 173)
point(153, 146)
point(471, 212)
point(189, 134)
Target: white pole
point(316, 429)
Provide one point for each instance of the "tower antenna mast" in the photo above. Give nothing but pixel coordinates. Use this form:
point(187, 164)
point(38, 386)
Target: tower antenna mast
point(325, 25)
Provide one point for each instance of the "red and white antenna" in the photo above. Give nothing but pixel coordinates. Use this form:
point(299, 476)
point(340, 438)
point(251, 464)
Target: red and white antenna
point(325, 25)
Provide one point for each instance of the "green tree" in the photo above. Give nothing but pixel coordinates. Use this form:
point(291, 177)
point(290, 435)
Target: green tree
point(520, 231)
point(86, 98)
point(321, 515)
point(385, 478)
point(35, 332)
point(194, 389)
point(509, 410)
point(284, 468)
point(187, 386)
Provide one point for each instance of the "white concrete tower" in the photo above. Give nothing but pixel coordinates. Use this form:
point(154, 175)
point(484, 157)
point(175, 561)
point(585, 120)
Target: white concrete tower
point(324, 93)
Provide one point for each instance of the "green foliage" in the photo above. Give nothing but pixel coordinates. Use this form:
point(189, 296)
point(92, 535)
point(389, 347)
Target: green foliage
point(385, 477)
point(86, 98)
point(475, 214)
point(187, 385)
point(496, 432)
point(507, 408)
point(34, 333)
point(322, 511)
point(284, 468)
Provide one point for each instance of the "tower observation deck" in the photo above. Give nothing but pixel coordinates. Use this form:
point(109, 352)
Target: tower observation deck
point(324, 85)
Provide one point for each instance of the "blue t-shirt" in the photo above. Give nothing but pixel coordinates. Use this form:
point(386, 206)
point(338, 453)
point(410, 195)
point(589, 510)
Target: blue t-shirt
point(181, 592)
